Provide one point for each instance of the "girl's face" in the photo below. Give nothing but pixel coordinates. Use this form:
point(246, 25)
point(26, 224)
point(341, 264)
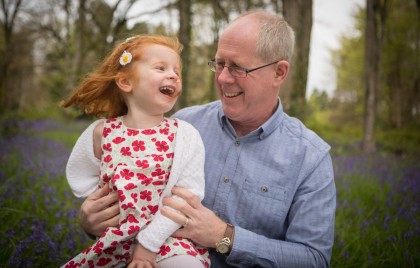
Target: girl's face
point(157, 83)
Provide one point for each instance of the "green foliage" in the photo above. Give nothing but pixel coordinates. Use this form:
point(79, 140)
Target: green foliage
point(400, 141)
point(375, 217)
point(39, 223)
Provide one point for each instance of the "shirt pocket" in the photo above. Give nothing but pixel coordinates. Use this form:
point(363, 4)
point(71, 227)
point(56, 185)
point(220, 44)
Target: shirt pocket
point(262, 207)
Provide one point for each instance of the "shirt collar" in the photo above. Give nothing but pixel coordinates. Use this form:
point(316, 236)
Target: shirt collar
point(263, 131)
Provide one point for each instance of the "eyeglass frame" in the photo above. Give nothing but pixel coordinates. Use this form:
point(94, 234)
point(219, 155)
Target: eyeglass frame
point(212, 63)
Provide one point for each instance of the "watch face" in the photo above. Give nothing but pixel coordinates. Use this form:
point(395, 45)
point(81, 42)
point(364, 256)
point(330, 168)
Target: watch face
point(222, 248)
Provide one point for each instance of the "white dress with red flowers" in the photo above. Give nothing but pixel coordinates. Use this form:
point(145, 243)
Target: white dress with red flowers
point(140, 166)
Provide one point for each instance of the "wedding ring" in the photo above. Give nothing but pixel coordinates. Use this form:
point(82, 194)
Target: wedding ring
point(187, 220)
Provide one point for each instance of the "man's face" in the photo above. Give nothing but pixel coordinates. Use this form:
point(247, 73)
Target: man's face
point(252, 99)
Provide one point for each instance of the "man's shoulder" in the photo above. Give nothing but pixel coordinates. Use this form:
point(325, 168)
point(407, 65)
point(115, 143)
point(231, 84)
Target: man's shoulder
point(197, 112)
point(296, 129)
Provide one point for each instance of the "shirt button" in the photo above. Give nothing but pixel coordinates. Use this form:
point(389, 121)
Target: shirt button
point(264, 189)
point(237, 143)
point(226, 179)
point(262, 136)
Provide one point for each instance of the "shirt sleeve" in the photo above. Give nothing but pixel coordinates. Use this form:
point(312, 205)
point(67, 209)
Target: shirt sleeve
point(310, 232)
point(188, 172)
point(83, 167)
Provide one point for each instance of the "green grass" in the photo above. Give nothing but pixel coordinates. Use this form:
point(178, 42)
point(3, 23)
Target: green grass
point(377, 217)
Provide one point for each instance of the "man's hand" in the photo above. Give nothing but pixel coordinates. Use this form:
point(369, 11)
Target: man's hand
point(99, 211)
point(204, 227)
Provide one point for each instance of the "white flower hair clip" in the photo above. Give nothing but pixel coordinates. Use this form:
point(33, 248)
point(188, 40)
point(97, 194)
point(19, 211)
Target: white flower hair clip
point(125, 58)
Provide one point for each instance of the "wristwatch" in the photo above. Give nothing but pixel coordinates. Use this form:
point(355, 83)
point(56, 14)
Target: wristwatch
point(225, 244)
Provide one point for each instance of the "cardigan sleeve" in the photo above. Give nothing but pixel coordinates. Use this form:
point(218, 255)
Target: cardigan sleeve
point(188, 172)
point(82, 170)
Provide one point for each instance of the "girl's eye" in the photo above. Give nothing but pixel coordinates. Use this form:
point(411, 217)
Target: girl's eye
point(160, 68)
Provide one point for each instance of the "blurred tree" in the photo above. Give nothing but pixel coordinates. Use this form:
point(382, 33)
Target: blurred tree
point(401, 64)
point(184, 35)
point(298, 14)
point(9, 12)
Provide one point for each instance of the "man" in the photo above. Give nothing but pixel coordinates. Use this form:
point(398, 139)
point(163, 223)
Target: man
point(270, 194)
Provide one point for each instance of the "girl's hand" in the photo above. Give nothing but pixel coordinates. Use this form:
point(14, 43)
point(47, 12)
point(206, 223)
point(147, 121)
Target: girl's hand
point(143, 258)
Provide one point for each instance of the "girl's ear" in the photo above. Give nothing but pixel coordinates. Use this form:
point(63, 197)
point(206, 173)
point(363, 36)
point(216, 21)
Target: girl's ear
point(123, 82)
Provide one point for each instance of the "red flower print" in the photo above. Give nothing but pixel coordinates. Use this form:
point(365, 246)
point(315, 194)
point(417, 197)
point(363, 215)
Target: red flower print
point(106, 178)
point(126, 174)
point(107, 147)
point(72, 264)
point(132, 132)
point(164, 131)
point(121, 195)
point(126, 246)
point(86, 251)
point(117, 232)
point(130, 186)
point(103, 261)
point(114, 126)
point(153, 209)
point(142, 164)
point(118, 140)
point(171, 137)
point(146, 195)
point(134, 197)
point(133, 229)
point(144, 180)
point(158, 183)
point(164, 250)
point(202, 251)
point(115, 178)
point(110, 250)
point(107, 158)
point(127, 206)
point(148, 132)
point(157, 158)
point(162, 146)
point(131, 218)
point(192, 253)
point(98, 247)
point(171, 155)
point(138, 146)
point(106, 132)
point(176, 123)
point(184, 245)
point(125, 151)
point(158, 172)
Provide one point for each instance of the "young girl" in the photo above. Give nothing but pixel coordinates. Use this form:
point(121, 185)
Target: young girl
point(143, 155)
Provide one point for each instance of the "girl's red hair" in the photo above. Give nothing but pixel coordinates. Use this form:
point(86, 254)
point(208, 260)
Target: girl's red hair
point(98, 94)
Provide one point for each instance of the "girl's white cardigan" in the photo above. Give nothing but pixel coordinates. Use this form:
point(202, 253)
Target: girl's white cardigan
point(187, 171)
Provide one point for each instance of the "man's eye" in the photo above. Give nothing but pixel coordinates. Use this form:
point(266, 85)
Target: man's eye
point(219, 65)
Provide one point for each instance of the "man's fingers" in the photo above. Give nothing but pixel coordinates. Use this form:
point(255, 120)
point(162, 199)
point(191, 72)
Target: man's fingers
point(99, 193)
point(192, 199)
point(112, 215)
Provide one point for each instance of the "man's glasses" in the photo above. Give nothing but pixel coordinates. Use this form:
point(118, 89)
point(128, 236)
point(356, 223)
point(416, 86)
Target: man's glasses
point(234, 70)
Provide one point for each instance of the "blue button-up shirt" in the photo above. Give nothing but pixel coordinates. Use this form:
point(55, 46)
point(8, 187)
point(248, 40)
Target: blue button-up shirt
point(275, 185)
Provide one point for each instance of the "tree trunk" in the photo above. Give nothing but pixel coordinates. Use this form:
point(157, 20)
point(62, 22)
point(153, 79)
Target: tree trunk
point(184, 35)
point(375, 24)
point(298, 14)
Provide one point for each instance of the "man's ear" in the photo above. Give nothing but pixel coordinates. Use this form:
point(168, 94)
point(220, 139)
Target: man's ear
point(282, 69)
point(123, 82)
